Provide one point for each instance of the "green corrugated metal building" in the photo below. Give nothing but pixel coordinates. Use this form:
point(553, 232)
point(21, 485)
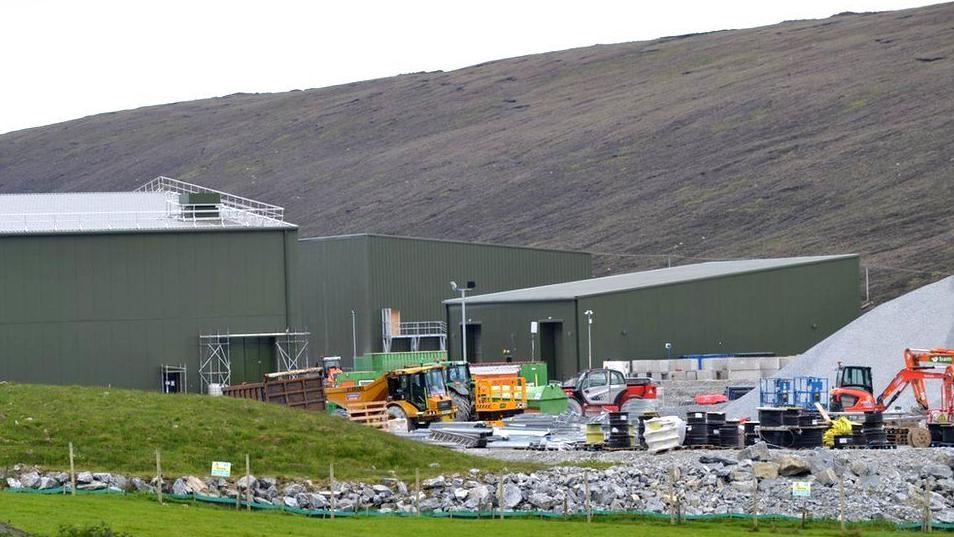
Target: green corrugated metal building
point(366, 273)
point(106, 288)
point(782, 306)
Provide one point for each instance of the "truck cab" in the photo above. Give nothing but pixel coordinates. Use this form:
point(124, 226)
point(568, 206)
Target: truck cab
point(594, 391)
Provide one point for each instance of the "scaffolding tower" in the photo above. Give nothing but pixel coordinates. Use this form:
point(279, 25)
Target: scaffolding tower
point(215, 362)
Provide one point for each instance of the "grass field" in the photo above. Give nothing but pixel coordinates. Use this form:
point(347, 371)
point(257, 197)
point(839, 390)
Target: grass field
point(119, 431)
point(143, 517)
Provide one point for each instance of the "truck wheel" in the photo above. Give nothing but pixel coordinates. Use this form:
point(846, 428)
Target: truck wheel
point(397, 413)
point(465, 410)
point(574, 407)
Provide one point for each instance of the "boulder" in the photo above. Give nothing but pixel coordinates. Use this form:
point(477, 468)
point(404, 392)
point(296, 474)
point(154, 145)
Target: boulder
point(756, 452)
point(937, 471)
point(765, 470)
point(512, 495)
point(29, 479)
point(84, 477)
point(291, 502)
point(14, 483)
point(246, 482)
point(826, 476)
point(860, 468)
point(293, 489)
point(541, 501)
point(179, 488)
point(195, 485)
point(790, 466)
point(434, 483)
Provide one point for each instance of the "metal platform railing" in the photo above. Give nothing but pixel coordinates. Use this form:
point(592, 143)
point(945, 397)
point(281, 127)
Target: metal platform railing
point(227, 201)
point(421, 328)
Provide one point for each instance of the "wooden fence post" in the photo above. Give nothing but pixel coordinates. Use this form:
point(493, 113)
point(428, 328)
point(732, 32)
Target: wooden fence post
point(500, 497)
point(158, 475)
point(417, 492)
point(841, 502)
point(72, 472)
point(331, 485)
point(248, 479)
point(586, 496)
point(755, 504)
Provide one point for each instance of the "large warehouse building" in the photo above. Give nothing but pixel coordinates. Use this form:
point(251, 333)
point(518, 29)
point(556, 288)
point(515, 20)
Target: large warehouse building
point(781, 306)
point(173, 286)
point(368, 274)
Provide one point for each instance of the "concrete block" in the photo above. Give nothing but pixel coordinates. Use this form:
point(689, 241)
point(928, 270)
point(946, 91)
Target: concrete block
point(681, 364)
point(722, 374)
point(691, 375)
point(618, 365)
point(785, 360)
point(744, 374)
point(743, 363)
point(769, 362)
point(766, 373)
point(677, 375)
point(714, 364)
point(706, 374)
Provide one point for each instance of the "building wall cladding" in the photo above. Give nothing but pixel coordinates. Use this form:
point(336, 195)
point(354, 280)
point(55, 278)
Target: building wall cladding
point(370, 272)
point(507, 326)
point(111, 308)
point(782, 310)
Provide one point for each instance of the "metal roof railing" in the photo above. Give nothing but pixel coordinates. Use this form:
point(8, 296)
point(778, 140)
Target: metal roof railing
point(231, 202)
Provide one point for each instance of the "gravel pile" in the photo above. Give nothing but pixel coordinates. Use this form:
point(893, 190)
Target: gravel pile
point(879, 485)
point(923, 318)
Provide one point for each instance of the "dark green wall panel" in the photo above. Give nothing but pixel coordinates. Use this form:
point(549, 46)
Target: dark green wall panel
point(109, 309)
point(785, 311)
point(371, 272)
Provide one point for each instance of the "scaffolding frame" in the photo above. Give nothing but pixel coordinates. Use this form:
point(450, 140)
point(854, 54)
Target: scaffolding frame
point(215, 359)
point(167, 369)
point(411, 330)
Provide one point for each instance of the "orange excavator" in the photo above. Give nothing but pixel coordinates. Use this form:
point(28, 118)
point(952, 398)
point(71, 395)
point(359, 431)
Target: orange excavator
point(854, 392)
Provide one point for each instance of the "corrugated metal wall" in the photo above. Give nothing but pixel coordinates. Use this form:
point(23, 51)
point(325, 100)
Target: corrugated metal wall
point(371, 272)
point(111, 308)
point(784, 311)
point(508, 327)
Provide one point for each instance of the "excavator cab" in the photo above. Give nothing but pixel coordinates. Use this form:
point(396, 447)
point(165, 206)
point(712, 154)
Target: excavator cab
point(854, 376)
point(853, 386)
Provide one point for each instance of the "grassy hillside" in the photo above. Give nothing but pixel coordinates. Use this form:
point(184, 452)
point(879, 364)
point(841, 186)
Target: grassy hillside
point(807, 137)
point(141, 517)
point(119, 431)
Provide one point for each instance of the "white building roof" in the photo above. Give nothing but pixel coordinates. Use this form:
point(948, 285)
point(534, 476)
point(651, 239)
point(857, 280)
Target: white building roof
point(154, 206)
point(640, 280)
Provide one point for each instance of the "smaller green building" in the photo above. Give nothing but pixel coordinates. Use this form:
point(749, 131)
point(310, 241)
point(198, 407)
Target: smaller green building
point(782, 306)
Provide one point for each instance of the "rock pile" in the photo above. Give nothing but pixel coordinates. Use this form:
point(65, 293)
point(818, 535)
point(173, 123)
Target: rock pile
point(887, 485)
point(920, 319)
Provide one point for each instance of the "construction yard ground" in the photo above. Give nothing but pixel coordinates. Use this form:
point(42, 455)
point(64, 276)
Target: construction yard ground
point(139, 516)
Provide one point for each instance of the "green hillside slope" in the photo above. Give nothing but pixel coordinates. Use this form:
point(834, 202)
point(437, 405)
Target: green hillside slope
point(119, 431)
point(807, 137)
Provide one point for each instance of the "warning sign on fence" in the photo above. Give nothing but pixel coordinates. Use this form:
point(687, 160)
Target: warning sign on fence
point(221, 469)
point(802, 489)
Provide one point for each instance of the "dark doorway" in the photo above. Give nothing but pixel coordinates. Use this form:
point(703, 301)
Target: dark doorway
point(551, 343)
point(474, 350)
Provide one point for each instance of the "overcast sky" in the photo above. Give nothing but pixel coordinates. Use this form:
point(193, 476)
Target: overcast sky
point(64, 60)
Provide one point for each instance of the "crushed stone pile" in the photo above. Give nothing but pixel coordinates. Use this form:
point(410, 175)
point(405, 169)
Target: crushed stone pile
point(923, 318)
point(890, 485)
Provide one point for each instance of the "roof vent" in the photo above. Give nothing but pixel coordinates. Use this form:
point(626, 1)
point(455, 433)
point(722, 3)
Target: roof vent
point(200, 205)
